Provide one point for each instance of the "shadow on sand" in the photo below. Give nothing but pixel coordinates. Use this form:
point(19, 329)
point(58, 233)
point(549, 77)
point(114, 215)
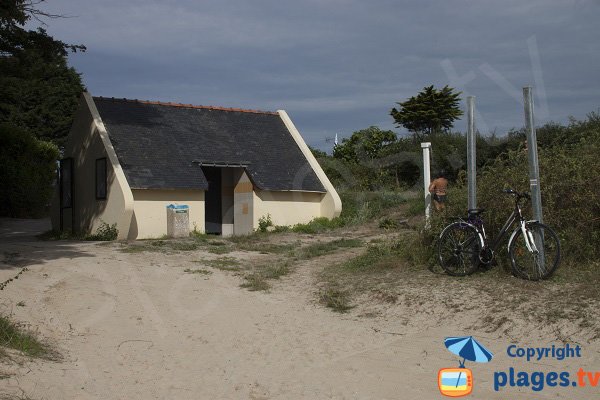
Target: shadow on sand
point(20, 248)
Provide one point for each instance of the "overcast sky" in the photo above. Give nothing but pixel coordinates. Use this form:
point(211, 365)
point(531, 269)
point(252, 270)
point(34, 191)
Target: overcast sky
point(337, 66)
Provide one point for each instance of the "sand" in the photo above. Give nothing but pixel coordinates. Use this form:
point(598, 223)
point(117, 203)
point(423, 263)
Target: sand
point(136, 326)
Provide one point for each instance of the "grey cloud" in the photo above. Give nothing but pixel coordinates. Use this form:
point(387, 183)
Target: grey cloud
point(338, 65)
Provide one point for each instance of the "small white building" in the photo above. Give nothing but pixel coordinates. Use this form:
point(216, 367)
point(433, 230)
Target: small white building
point(126, 160)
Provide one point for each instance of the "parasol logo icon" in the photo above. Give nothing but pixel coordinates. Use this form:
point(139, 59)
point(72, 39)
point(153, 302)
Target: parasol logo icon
point(457, 382)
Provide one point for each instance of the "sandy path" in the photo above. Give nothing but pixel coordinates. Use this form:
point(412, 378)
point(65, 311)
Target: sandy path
point(135, 326)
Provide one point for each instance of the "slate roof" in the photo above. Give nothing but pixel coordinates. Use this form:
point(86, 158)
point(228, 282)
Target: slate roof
point(163, 145)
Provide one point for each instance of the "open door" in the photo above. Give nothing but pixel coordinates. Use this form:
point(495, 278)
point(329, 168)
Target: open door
point(213, 210)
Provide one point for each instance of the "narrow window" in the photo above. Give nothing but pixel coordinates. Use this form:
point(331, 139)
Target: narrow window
point(101, 183)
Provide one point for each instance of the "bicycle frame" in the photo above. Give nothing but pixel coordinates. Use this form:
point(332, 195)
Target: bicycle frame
point(515, 216)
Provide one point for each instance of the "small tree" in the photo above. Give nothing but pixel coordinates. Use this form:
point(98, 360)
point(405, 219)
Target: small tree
point(362, 154)
point(432, 111)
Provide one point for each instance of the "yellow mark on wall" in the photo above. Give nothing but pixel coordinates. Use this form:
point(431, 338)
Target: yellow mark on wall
point(245, 208)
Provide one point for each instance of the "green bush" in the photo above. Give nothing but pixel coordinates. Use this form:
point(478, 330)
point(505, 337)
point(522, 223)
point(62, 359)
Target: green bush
point(318, 225)
point(570, 198)
point(28, 169)
point(105, 232)
point(357, 208)
point(264, 223)
point(361, 207)
point(388, 224)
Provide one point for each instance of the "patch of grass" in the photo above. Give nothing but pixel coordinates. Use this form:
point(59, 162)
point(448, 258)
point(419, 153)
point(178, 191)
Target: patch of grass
point(255, 282)
point(197, 271)
point(257, 241)
point(336, 299)
point(16, 336)
point(258, 280)
point(220, 250)
point(183, 245)
point(318, 225)
point(163, 246)
point(323, 248)
point(376, 257)
point(134, 248)
point(361, 207)
point(267, 248)
point(416, 206)
point(249, 238)
point(223, 263)
point(275, 271)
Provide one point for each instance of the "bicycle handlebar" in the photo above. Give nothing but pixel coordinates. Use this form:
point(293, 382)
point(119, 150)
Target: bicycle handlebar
point(515, 193)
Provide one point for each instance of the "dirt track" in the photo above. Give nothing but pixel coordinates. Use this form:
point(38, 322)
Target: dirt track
point(135, 326)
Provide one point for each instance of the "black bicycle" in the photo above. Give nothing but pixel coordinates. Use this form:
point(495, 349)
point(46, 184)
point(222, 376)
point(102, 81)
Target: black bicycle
point(533, 248)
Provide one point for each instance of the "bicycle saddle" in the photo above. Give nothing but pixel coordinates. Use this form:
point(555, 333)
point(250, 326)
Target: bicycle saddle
point(476, 211)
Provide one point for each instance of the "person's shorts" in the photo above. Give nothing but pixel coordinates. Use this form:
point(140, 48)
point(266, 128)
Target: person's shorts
point(440, 198)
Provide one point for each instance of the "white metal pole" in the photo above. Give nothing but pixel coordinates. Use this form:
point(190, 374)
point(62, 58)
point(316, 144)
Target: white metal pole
point(471, 154)
point(534, 170)
point(534, 173)
point(427, 180)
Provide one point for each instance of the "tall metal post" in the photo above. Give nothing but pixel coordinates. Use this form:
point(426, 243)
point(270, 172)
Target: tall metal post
point(534, 169)
point(471, 153)
point(534, 175)
point(426, 180)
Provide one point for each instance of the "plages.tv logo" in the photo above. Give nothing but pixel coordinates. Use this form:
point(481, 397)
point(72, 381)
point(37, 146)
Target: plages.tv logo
point(457, 382)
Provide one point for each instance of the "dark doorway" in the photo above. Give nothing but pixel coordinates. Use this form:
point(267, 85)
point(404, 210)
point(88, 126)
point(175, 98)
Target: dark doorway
point(213, 212)
point(65, 185)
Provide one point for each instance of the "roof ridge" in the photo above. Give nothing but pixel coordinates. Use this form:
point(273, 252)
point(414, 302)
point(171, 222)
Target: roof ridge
point(182, 105)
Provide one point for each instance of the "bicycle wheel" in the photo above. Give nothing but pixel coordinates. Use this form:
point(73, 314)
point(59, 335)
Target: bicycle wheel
point(542, 259)
point(458, 249)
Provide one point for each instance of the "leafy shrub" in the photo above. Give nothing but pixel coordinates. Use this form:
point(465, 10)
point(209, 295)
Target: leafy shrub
point(105, 232)
point(357, 208)
point(570, 199)
point(361, 207)
point(318, 225)
point(27, 172)
point(264, 223)
point(388, 223)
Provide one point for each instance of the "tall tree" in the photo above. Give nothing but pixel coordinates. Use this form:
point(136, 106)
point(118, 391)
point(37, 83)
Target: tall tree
point(38, 98)
point(38, 90)
point(432, 111)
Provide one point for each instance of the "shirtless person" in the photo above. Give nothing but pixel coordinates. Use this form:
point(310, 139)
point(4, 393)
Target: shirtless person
point(438, 189)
